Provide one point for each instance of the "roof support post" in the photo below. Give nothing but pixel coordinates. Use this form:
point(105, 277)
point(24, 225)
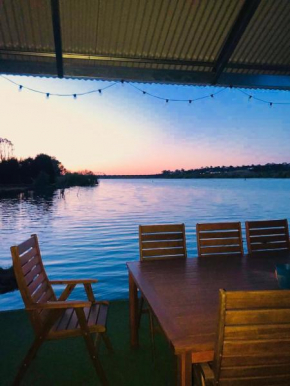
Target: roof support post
point(57, 36)
point(247, 12)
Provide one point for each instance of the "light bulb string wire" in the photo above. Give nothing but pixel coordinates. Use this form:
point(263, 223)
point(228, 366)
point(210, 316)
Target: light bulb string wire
point(144, 92)
point(58, 94)
point(175, 100)
point(262, 100)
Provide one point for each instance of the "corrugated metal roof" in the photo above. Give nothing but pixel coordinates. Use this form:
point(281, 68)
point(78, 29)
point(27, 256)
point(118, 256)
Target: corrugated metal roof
point(177, 41)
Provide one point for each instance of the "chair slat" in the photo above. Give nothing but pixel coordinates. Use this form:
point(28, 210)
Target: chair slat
point(219, 235)
point(269, 246)
point(254, 360)
point(220, 249)
point(64, 320)
point(160, 228)
point(266, 231)
point(32, 274)
point(163, 252)
point(30, 265)
point(73, 323)
point(39, 292)
point(261, 316)
point(257, 371)
point(102, 317)
point(267, 239)
point(26, 245)
point(161, 236)
point(46, 296)
point(28, 255)
point(32, 286)
point(279, 380)
point(93, 317)
point(268, 224)
point(217, 242)
point(268, 331)
point(237, 300)
point(162, 244)
point(219, 226)
point(258, 347)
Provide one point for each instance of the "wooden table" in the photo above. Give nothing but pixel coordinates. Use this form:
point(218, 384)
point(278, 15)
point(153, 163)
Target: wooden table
point(183, 295)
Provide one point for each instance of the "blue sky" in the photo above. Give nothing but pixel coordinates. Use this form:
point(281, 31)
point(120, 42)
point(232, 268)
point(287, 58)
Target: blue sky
point(125, 132)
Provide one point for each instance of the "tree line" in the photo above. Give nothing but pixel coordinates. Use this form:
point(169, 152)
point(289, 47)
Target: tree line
point(41, 171)
point(269, 170)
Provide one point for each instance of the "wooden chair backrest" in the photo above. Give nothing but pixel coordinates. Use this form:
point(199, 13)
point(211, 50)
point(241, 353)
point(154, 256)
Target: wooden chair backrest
point(253, 340)
point(267, 235)
point(31, 278)
point(157, 242)
point(215, 239)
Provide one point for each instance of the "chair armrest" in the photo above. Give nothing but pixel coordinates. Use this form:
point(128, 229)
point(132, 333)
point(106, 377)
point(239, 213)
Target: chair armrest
point(208, 373)
point(60, 304)
point(74, 281)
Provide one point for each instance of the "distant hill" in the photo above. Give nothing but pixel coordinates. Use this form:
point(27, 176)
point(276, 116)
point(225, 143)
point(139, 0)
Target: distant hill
point(270, 170)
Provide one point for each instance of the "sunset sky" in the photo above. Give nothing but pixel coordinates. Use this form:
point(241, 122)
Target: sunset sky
point(125, 132)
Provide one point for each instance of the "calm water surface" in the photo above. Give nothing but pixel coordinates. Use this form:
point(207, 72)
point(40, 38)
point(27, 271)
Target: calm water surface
point(93, 232)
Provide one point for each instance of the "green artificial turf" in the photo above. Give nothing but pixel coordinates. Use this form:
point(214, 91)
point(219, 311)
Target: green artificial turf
point(67, 362)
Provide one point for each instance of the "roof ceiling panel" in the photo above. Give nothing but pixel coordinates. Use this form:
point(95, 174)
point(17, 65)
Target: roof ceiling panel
point(267, 38)
point(26, 25)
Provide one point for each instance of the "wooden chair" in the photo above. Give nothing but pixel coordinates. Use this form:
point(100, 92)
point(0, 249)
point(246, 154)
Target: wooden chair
point(267, 236)
point(253, 341)
point(54, 318)
point(160, 242)
point(219, 239)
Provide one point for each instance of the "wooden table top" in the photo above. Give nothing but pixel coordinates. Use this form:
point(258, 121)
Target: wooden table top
point(184, 294)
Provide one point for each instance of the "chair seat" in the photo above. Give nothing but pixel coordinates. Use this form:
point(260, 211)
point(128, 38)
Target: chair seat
point(67, 324)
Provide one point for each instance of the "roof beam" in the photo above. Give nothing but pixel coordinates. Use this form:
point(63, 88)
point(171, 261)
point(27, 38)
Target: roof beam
point(57, 37)
point(130, 59)
point(244, 17)
point(145, 75)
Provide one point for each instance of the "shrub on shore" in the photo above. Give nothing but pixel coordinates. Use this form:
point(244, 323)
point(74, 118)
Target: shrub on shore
point(77, 179)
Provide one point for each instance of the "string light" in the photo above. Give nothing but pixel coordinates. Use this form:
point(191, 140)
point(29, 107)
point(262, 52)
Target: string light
point(167, 100)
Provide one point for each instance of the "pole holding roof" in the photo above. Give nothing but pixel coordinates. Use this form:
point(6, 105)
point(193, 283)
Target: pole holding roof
point(244, 17)
point(57, 36)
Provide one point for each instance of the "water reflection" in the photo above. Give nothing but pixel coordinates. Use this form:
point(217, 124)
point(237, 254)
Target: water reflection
point(92, 232)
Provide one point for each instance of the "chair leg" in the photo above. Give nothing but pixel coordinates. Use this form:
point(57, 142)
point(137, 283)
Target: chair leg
point(140, 310)
point(152, 335)
point(94, 357)
point(27, 360)
point(107, 342)
point(90, 346)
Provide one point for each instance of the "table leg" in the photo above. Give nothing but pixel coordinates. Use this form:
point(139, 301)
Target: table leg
point(133, 301)
point(184, 370)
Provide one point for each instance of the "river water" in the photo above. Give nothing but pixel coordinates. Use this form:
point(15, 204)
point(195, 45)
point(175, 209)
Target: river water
point(93, 232)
